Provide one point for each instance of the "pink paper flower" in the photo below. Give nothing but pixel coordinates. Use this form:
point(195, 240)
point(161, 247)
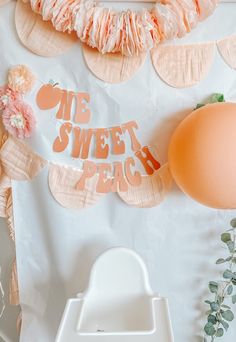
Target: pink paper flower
point(18, 119)
point(7, 95)
point(21, 79)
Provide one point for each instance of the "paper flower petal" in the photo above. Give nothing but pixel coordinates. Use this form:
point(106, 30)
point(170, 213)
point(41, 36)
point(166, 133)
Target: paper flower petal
point(112, 67)
point(39, 36)
point(152, 190)
point(227, 49)
point(19, 161)
point(183, 66)
point(62, 183)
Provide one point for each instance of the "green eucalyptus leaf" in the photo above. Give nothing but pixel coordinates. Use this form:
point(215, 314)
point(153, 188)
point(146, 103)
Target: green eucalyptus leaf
point(208, 302)
point(230, 290)
point(225, 324)
point(220, 332)
point(228, 274)
point(220, 261)
point(229, 258)
point(213, 286)
point(234, 260)
point(215, 306)
point(233, 223)
point(212, 319)
point(225, 306)
point(231, 246)
point(228, 315)
point(225, 237)
point(210, 329)
point(234, 299)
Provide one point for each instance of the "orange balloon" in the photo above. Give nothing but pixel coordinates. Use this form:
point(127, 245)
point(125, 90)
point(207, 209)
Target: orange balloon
point(202, 155)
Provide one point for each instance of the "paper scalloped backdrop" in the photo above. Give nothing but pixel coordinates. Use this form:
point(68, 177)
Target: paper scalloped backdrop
point(39, 36)
point(112, 67)
point(21, 163)
point(42, 39)
point(183, 66)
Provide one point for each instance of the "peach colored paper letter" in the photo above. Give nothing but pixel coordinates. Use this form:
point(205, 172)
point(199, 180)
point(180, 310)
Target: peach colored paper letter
point(119, 182)
point(104, 184)
point(82, 140)
point(147, 160)
point(130, 126)
point(62, 140)
point(133, 178)
point(82, 113)
point(102, 149)
point(89, 171)
point(118, 144)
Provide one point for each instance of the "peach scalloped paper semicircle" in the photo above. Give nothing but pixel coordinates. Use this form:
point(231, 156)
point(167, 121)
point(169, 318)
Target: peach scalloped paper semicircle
point(19, 162)
point(227, 49)
point(182, 66)
point(39, 36)
point(62, 183)
point(112, 67)
point(152, 190)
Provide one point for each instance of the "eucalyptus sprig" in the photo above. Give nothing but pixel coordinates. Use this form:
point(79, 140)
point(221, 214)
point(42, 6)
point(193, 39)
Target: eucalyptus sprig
point(219, 314)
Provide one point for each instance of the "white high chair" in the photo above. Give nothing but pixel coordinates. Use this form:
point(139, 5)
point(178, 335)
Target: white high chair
point(118, 306)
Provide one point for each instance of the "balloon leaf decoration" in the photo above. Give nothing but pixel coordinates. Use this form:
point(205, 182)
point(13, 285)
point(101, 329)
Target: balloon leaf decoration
point(213, 99)
point(220, 314)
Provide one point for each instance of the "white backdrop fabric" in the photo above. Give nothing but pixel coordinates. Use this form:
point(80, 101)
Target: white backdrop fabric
point(179, 239)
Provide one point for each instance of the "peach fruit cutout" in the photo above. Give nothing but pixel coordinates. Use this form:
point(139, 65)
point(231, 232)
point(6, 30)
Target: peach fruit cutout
point(48, 96)
point(202, 156)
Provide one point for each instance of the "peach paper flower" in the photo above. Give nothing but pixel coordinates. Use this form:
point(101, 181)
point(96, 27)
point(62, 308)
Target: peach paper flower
point(18, 119)
point(7, 95)
point(21, 79)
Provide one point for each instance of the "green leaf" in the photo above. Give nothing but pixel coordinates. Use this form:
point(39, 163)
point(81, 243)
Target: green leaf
point(210, 329)
point(220, 332)
point(228, 274)
point(208, 302)
point(234, 299)
point(217, 98)
point(225, 306)
point(212, 319)
point(229, 258)
point(213, 286)
point(199, 105)
point(225, 237)
point(230, 245)
point(220, 261)
point(230, 290)
point(234, 260)
point(228, 315)
point(215, 306)
point(233, 223)
point(225, 325)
